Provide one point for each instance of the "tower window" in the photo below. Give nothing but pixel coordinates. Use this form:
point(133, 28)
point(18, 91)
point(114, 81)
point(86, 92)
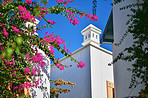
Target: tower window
point(88, 35)
point(85, 37)
point(93, 35)
point(96, 36)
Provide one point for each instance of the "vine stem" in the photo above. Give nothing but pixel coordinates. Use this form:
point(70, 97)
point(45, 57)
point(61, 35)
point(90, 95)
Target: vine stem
point(132, 90)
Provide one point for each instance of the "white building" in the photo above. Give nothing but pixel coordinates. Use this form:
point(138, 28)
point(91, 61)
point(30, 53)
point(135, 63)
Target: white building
point(44, 80)
point(96, 79)
point(45, 71)
point(115, 29)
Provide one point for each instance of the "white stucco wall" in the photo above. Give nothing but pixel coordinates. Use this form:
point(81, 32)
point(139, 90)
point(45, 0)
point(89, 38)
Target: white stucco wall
point(121, 75)
point(100, 71)
point(80, 76)
point(44, 80)
point(45, 71)
point(91, 80)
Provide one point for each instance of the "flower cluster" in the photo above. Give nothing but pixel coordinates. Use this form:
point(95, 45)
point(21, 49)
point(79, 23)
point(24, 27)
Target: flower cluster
point(26, 15)
point(1, 47)
point(5, 33)
point(38, 58)
point(52, 38)
point(9, 63)
point(34, 71)
point(20, 68)
point(6, 1)
point(66, 2)
point(59, 66)
point(81, 64)
point(51, 22)
point(2, 24)
point(29, 1)
point(58, 90)
point(71, 17)
point(27, 70)
point(51, 48)
point(82, 15)
point(66, 50)
point(16, 30)
point(43, 12)
point(92, 17)
point(25, 85)
point(13, 71)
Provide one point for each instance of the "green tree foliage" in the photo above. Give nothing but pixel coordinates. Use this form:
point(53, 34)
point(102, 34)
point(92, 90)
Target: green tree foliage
point(138, 51)
point(19, 44)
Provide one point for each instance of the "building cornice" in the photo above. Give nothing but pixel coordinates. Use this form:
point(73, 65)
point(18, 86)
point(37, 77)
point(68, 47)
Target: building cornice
point(100, 48)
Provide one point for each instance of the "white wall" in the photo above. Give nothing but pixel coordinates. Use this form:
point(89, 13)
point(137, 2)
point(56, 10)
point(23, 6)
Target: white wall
point(80, 76)
point(100, 71)
point(44, 80)
point(121, 75)
point(45, 71)
point(91, 80)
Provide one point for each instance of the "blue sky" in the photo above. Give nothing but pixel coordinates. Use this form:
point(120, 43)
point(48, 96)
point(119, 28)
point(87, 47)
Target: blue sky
point(72, 34)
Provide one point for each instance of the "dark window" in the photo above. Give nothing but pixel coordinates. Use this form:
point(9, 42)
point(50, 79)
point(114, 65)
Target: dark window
point(86, 37)
point(96, 36)
point(93, 35)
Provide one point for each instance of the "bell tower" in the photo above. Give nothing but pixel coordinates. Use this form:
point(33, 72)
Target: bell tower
point(91, 35)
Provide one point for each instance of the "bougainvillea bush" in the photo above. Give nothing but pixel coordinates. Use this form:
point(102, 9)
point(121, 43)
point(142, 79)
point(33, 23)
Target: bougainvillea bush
point(19, 44)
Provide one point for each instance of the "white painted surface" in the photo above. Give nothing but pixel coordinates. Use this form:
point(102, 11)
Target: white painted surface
point(44, 80)
point(121, 75)
point(80, 76)
point(100, 72)
point(91, 34)
point(45, 71)
point(91, 80)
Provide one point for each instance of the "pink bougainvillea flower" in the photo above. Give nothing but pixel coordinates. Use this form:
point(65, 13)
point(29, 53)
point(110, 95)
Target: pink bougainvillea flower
point(66, 2)
point(34, 71)
point(92, 17)
point(46, 33)
point(10, 84)
point(29, 1)
point(59, 66)
point(15, 87)
point(51, 22)
point(1, 47)
point(13, 57)
point(6, 1)
point(26, 15)
point(26, 85)
point(27, 57)
point(67, 50)
point(5, 33)
point(37, 82)
point(2, 24)
point(27, 70)
point(38, 58)
point(64, 48)
point(71, 17)
point(15, 29)
point(81, 64)
point(70, 53)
